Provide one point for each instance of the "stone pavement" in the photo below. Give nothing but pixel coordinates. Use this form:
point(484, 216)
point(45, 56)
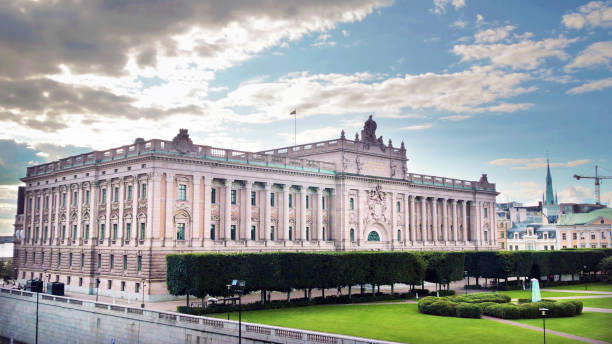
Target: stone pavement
point(595, 309)
point(579, 291)
point(535, 328)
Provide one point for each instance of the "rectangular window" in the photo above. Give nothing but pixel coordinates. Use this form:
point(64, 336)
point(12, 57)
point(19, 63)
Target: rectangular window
point(68, 280)
point(486, 212)
point(103, 196)
point(143, 191)
point(112, 261)
point(99, 260)
point(102, 231)
point(37, 202)
point(253, 198)
point(213, 196)
point(87, 197)
point(45, 232)
point(307, 233)
point(233, 196)
point(37, 232)
point(74, 232)
point(142, 230)
point(322, 202)
point(592, 236)
point(82, 259)
point(87, 232)
point(128, 231)
point(290, 201)
point(64, 200)
point(137, 288)
point(74, 198)
point(307, 202)
point(399, 207)
point(114, 231)
point(46, 202)
point(271, 199)
point(70, 259)
point(233, 232)
point(271, 232)
point(180, 231)
point(80, 281)
point(574, 236)
point(182, 194)
point(124, 262)
point(129, 193)
point(352, 204)
point(59, 259)
point(290, 233)
point(564, 236)
point(212, 232)
point(139, 264)
point(109, 284)
point(253, 231)
point(122, 286)
point(116, 196)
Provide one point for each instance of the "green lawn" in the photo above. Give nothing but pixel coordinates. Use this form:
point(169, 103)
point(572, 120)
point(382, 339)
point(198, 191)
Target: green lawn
point(589, 324)
point(399, 323)
point(598, 286)
point(599, 302)
point(526, 294)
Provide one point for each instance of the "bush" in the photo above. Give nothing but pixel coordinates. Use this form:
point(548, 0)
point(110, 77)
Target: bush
point(529, 310)
point(482, 297)
point(494, 310)
point(468, 310)
point(577, 306)
point(484, 305)
point(510, 311)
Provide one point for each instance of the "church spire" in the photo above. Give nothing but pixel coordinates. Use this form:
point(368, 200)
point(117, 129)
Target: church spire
point(550, 196)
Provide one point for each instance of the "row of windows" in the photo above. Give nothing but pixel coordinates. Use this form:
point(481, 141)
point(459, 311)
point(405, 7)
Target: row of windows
point(182, 196)
point(109, 283)
point(127, 236)
point(129, 168)
point(575, 236)
point(87, 197)
point(180, 232)
point(82, 261)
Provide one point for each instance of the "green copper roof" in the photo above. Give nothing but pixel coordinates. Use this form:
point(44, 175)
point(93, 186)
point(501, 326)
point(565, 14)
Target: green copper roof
point(580, 219)
point(550, 196)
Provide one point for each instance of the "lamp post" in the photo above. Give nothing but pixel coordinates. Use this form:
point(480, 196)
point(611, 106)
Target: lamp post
point(238, 287)
point(584, 270)
point(97, 287)
point(543, 312)
point(143, 288)
point(465, 275)
point(229, 295)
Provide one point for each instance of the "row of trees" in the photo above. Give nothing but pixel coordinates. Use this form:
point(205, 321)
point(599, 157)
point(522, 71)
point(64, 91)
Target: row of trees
point(202, 274)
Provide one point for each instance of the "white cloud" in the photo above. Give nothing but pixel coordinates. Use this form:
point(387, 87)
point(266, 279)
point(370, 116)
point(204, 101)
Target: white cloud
point(345, 33)
point(575, 194)
point(417, 127)
point(459, 23)
point(533, 163)
point(479, 18)
point(455, 118)
point(596, 54)
point(506, 107)
point(312, 135)
point(476, 90)
point(527, 192)
point(606, 198)
point(441, 5)
point(493, 35)
point(594, 14)
point(522, 55)
point(591, 86)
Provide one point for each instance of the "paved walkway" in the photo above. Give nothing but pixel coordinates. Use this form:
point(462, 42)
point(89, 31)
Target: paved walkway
point(595, 309)
point(579, 297)
point(579, 291)
point(535, 328)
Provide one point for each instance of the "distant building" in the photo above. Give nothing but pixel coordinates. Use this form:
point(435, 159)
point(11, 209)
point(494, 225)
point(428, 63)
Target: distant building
point(550, 204)
point(536, 237)
point(587, 230)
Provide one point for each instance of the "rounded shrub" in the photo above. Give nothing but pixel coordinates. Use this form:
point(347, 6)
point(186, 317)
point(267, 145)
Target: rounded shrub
point(577, 304)
point(484, 305)
point(529, 310)
point(468, 310)
point(494, 310)
point(510, 311)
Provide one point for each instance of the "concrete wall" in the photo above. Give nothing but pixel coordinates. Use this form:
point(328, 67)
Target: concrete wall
point(67, 320)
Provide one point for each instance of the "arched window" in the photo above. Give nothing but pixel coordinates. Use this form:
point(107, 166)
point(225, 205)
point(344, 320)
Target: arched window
point(352, 234)
point(399, 235)
point(373, 236)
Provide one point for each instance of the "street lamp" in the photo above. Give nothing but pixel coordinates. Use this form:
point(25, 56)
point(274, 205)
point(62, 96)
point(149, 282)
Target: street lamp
point(543, 312)
point(229, 295)
point(465, 275)
point(584, 270)
point(238, 287)
point(143, 284)
point(97, 287)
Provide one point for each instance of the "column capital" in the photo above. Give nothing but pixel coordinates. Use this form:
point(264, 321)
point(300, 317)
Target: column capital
point(228, 181)
point(207, 180)
point(303, 188)
point(268, 186)
point(248, 184)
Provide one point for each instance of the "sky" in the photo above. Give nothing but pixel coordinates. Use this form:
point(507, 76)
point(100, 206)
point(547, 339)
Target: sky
point(469, 86)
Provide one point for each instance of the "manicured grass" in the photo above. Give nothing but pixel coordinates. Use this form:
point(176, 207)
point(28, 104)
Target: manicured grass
point(399, 323)
point(598, 303)
point(589, 324)
point(597, 286)
point(526, 294)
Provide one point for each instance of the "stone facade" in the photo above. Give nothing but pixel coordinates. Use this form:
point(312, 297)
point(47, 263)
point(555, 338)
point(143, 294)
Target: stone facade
point(114, 215)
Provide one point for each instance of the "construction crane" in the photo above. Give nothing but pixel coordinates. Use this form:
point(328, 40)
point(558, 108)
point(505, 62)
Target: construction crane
point(598, 179)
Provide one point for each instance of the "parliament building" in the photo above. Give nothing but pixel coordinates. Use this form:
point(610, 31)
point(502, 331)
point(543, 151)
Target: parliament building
point(112, 216)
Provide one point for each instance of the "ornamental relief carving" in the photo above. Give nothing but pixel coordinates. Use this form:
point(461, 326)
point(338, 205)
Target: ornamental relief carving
point(309, 219)
point(214, 217)
point(324, 218)
point(292, 222)
point(353, 218)
point(377, 206)
point(255, 214)
point(292, 214)
point(274, 212)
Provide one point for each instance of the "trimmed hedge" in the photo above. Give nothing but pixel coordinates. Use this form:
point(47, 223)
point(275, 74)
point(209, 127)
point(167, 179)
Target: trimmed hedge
point(468, 310)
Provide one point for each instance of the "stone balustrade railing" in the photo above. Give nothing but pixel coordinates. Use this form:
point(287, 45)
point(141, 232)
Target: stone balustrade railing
point(227, 328)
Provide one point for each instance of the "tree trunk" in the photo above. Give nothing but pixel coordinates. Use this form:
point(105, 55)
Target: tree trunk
point(289, 296)
point(305, 293)
point(263, 296)
point(392, 285)
point(378, 289)
point(187, 300)
point(309, 294)
point(362, 289)
point(349, 292)
point(323, 292)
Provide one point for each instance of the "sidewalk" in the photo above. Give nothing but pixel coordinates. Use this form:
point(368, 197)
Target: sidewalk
point(579, 291)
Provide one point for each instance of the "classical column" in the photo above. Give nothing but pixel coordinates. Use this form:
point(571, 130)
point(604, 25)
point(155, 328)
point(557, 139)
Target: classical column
point(197, 209)
point(464, 220)
point(153, 192)
point(361, 226)
point(170, 231)
point(79, 212)
point(319, 214)
point(303, 193)
point(393, 217)
point(267, 211)
point(135, 229)
point(424, 230)
point(454, 220)
point(407, 218)
point(434, 219)
point(412, 219)
point(207, 204)
point(286, 211)
point(107, 225)
point(227, 206)
point(492, 225)
point(57, 215)
point(246, 230)
point(444, 220)
point(120, 226)
point(94, 202)
point(49, 219)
